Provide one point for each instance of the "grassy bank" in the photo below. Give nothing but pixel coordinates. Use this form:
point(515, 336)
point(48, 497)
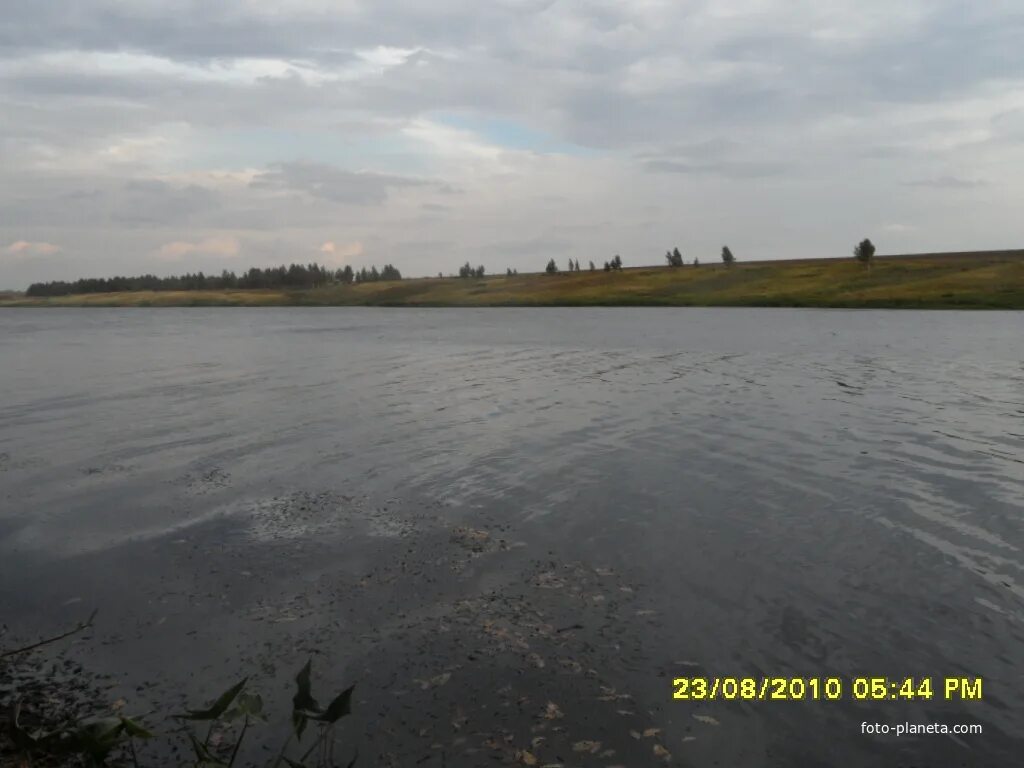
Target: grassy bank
point(990, 279)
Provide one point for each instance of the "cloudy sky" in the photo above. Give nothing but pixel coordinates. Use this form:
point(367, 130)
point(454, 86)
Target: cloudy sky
point(158, 136)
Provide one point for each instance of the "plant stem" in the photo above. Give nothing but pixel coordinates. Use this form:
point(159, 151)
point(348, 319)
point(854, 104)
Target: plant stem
point(234, 752)
point(280, 755)
point(209, 733)
point(82, 625)
point(312, 746)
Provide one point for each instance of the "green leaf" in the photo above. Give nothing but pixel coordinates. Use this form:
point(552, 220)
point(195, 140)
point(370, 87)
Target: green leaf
point(299, 722)
point(304, 705)
point(102, 730)
point(135, 730)
point(202, 753)
point(303, 698)
point(251, 704)
point(96, 738)
point(21, 738)
point(219, 707)
point(337, 709)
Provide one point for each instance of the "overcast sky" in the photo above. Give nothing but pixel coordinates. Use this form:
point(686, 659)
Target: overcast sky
point(158, 136)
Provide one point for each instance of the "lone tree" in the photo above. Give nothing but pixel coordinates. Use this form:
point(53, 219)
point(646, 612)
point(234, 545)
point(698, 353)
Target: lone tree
point(551, 268)
point(592, 267)
point(864, 252)
point(727, 258)
point(677, 258)
point(616, 263)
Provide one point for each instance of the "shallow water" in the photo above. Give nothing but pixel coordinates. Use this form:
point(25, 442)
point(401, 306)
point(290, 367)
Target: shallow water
point(555, 505)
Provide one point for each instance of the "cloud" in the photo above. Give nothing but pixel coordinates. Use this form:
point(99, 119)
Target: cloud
point(717, 156)
point(948, 182)
point(733, 169)
point(330, 183)
point(24, 248)
point(222, 246)
point(338, 254)
point(140, 132)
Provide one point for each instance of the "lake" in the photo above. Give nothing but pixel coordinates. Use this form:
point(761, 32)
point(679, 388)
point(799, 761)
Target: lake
point(478, 515)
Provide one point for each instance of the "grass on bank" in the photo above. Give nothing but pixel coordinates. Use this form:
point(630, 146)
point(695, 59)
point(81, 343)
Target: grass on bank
point(993, 279)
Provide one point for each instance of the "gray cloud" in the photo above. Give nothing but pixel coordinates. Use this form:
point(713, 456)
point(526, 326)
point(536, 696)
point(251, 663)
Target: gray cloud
point(736, 170)
point(948, 182)
point(286, 124)
point(332, 184)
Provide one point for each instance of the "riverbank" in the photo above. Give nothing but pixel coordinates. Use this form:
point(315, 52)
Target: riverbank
point(978, 280)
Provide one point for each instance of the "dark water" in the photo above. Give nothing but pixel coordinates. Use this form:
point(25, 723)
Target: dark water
point(473, 514)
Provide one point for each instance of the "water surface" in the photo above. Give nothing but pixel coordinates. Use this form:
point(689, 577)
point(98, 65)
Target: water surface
point(476, 513)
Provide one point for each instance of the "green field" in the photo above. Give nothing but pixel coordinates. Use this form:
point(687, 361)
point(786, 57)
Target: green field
point(989, 279)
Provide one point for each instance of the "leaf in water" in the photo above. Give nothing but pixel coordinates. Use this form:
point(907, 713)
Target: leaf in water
point(706, 719)
point(303, 698)
point(21, 737)
point(652, 732)
point(586, 746)
point(134, 729)
point(251, 704)
point(219, 707)
point(635, 734)
point(203, 755)
point(98, 737)
point(303, 703)
point(339, 707)
point(660, 751)
point(552, 711)
point(435, 681)
point(526, 758)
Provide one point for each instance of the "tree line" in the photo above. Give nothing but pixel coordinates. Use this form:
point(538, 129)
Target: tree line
point(864, 253)
point(315, 275)
point(291, 276)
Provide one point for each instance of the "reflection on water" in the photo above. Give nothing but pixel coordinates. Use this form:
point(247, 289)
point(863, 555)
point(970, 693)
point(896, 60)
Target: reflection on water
point(813, 492)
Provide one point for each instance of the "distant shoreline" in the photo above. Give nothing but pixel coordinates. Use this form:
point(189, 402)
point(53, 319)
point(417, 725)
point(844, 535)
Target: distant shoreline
point(965, 280)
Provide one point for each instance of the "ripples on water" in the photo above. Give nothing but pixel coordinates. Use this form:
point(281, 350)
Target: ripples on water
point(805, 487)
